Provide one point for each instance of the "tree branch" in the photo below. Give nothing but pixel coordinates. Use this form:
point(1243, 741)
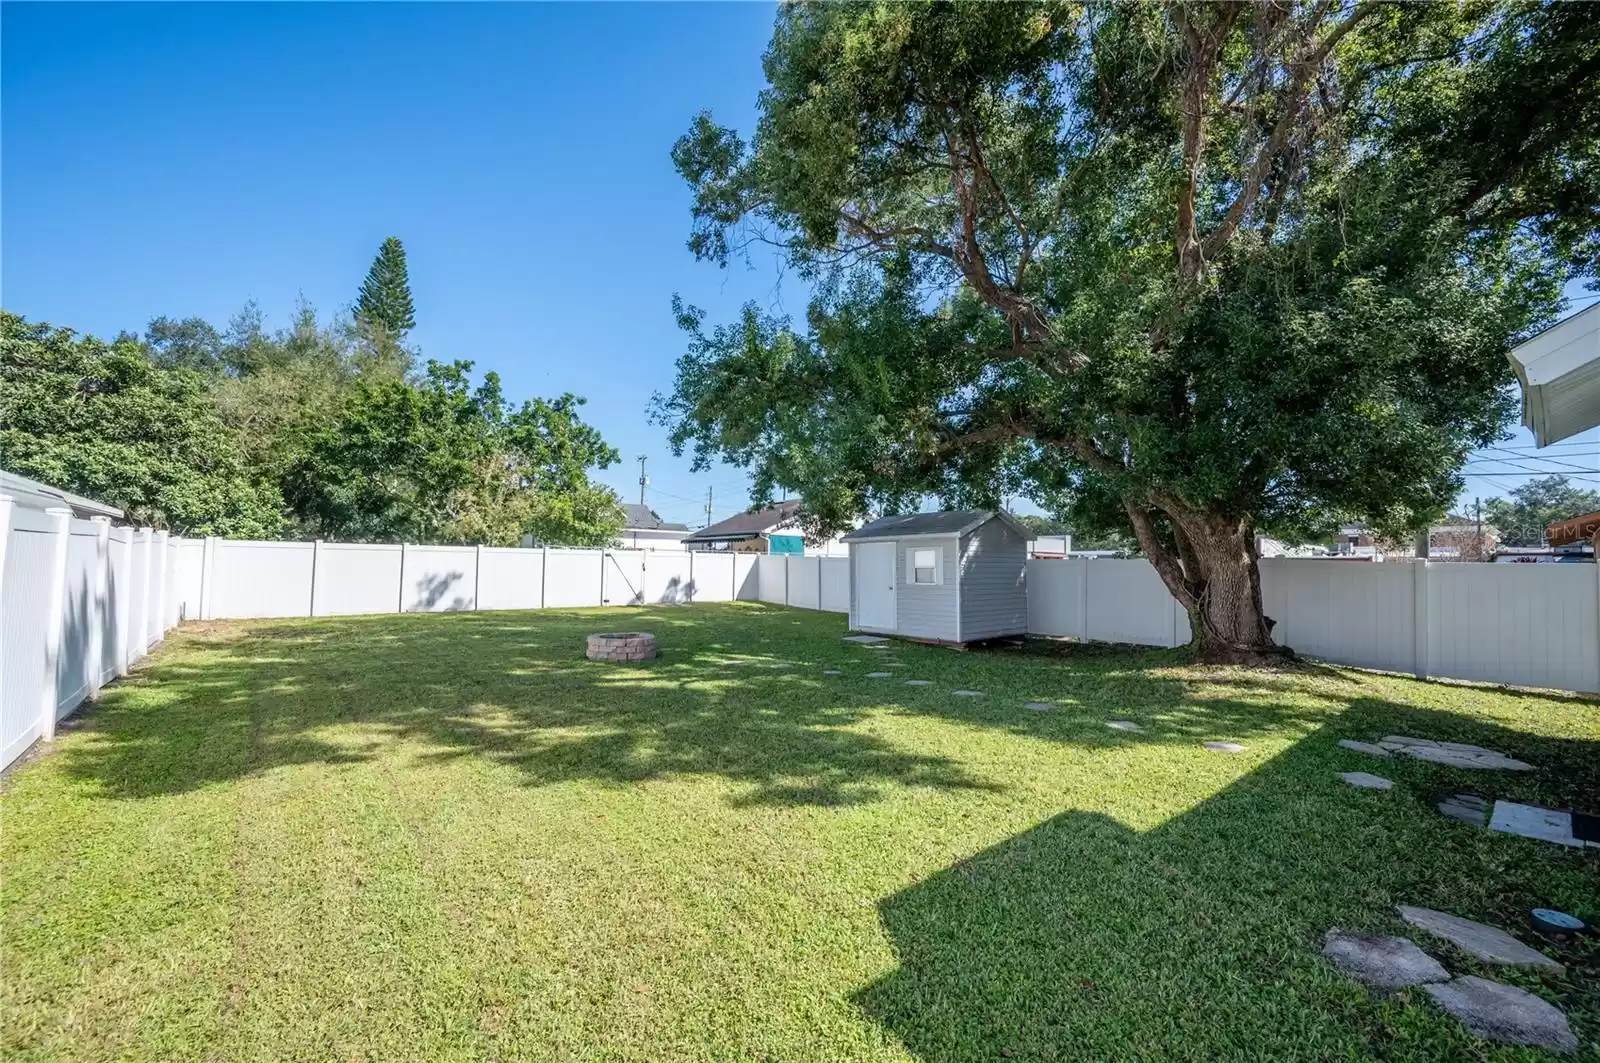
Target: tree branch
point(1165, 564)
point(1295, 99)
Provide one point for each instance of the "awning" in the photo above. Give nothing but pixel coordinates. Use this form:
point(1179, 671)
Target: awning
point(1559, 370)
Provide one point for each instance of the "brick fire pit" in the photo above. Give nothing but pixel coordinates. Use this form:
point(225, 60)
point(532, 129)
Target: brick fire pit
point(622, 646)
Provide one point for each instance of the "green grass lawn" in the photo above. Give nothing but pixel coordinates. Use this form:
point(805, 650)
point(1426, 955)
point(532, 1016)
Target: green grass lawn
point(452, 837)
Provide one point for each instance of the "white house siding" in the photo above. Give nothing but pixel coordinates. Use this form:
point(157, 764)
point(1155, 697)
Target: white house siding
point(994, 596)
point(926, 612)
point(653, 538)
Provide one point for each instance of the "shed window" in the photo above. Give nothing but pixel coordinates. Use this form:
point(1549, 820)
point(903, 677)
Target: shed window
point(924, 565)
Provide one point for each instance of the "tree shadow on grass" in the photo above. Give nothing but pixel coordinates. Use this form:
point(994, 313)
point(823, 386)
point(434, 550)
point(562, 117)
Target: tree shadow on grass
point(240, 701)
point(231, 701)
point(1200, 939)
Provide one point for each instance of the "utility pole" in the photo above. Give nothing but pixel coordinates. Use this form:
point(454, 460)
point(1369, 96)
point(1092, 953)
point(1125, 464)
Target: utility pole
point(643, 480)
point(708, 507)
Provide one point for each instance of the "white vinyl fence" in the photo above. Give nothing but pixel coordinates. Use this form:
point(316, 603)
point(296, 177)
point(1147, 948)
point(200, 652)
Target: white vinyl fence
point(1530, 625)
point(79, 602)
point(82, 600)
point(233, 579)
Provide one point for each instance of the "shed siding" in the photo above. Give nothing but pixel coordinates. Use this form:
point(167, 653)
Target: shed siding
point(927, 612)
point(994, 598)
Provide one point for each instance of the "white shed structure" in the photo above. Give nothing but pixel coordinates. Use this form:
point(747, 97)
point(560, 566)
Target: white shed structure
point(942, 577)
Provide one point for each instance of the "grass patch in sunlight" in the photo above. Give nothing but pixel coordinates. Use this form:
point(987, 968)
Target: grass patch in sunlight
point(453, 837)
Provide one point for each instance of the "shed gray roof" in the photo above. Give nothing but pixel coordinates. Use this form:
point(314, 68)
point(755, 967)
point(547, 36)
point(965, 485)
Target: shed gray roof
point(949, 522)
point(32, 494)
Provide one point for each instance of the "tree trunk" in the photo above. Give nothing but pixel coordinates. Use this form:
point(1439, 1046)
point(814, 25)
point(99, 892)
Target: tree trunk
point(1228, 623)
point(1212, 572)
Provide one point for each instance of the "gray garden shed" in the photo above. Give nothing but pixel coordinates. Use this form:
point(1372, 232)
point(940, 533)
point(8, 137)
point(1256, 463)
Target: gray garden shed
point(944, 577)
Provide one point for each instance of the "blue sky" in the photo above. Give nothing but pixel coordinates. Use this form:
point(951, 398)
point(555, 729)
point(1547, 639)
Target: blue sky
point(181, 159)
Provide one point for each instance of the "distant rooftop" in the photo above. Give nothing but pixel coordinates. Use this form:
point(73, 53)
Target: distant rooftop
point(32, 494)
point(643, 518)
point(749, 525)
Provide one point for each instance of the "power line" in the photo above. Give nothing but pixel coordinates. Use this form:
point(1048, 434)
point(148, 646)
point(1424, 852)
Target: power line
point(1551, 461)
point(1548, 446)
point(1533, 472)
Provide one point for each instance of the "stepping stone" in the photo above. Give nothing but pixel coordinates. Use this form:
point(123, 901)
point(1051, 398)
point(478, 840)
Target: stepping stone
point(865, 640)
point(1224, 747)
point(1531, 821)
point(1468, 808)
point(1364, 747)
point(1123, 725)
point(1504, 1013)
point(967, 693)
point(1452, 754)
point(831, 671)
point(1365, 781)
point(879, 675)
point(1039, 706)
point(1487, 943)
point(1386, 963)
point(919, 682)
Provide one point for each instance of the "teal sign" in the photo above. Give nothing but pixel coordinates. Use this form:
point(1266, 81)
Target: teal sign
point(786, 544)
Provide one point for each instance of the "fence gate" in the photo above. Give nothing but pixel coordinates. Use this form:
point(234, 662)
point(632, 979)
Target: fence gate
point(622, 578)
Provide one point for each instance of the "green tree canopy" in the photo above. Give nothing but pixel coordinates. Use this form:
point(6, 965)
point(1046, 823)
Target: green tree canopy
point(110, 423)
point(441, 461)
point(384, 301)
point(1522, 519)
point(1188, 271)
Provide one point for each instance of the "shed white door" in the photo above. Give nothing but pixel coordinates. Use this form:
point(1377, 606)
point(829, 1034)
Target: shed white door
point(875, 586)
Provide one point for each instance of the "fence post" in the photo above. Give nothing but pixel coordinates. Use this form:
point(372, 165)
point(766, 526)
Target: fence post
point(144, 538)
point(786, 579)
point(102, 600)
point(1083, 600)
point(691, 587)
point(544, 573)
point(61, 521)
point(208, 562)
point(400, 595)
point(477, 576)
point(1419, 619)
point(125, 604)
point(158, 542)
point(6, 505)
point(316, 559)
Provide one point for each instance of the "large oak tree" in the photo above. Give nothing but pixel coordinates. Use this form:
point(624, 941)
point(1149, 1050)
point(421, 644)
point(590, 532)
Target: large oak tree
point(1197, 270)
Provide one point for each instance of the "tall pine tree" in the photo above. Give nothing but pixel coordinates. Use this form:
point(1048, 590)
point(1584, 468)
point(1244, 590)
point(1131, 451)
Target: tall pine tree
point(385, 298)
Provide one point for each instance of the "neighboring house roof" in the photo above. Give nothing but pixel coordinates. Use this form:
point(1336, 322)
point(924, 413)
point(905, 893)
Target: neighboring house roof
point(31, 494)
point(1572, 530)
point(953, 522)
point(1559, 370)
point(748, 525)
point(643, 518)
